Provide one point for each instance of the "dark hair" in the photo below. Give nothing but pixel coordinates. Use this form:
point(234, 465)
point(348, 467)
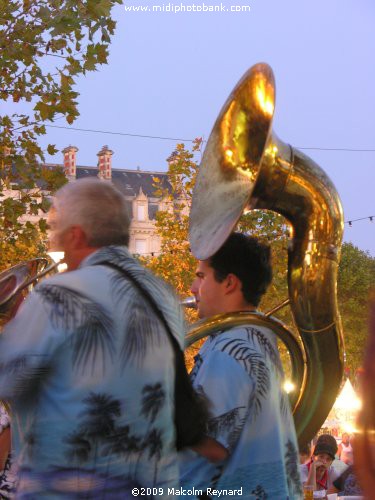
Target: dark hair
point(248, 259)
point(326, 444)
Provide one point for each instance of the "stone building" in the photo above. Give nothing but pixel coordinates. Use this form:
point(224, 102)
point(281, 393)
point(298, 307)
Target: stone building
point(138, 189)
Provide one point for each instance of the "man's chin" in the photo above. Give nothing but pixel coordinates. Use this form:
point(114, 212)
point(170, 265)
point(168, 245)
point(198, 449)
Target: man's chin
point(200, 312)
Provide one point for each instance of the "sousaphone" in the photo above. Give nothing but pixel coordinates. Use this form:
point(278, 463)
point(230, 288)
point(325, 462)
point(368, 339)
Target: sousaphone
point(245, 167)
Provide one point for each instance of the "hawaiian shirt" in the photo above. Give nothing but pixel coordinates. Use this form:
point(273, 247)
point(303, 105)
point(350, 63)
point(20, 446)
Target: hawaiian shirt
point(239, 372)
point(89, 371)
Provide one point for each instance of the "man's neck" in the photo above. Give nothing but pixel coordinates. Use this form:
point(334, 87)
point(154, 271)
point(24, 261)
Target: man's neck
point(80, 255)
point(241, 307)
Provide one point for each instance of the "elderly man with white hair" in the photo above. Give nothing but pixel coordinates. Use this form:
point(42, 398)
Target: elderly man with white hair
point(87, 364)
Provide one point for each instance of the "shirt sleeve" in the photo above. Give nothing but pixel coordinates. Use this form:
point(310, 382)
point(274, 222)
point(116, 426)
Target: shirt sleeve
point(334, 476)
point(26, 346)
point(228, 389)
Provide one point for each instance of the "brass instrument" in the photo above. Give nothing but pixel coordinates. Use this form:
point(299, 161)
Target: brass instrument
point(189, 303)
point(17, 278)
point(245, 166)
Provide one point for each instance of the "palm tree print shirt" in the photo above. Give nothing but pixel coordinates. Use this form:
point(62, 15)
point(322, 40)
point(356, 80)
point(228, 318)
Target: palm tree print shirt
point(89, 371)
point(239, 372)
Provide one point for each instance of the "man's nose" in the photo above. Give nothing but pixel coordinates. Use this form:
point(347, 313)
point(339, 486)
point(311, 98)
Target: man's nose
point(194, 287)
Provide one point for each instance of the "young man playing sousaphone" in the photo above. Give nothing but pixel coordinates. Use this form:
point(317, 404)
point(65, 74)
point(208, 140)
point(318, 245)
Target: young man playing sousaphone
point(239, 372)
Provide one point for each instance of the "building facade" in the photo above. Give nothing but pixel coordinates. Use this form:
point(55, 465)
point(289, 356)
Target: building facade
point(137, 186)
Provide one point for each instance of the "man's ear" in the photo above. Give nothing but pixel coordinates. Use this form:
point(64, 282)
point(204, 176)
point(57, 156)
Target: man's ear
point(232, 283)
point(78, 237)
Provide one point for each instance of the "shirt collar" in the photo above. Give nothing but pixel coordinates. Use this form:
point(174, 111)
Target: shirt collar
point(108, 253)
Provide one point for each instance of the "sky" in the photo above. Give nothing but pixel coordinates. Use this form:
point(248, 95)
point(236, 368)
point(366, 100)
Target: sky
point(170, 73)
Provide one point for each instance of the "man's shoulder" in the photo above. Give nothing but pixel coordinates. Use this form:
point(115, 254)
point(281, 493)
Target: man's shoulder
point(249, 342)
point(251, 336)
point(119, 258)
point(68, 279)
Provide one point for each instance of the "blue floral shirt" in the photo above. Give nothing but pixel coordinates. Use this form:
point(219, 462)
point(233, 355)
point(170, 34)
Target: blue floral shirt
point(88, 369)
point(239, 372)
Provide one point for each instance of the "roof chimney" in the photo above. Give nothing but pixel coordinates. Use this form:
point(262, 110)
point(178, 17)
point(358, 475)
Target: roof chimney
point(70, 162)
point(105, 163)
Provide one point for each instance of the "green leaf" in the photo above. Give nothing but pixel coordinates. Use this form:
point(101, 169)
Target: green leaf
point(46, 112)
point(59, 44)
point(42, 223)
point(51, 149)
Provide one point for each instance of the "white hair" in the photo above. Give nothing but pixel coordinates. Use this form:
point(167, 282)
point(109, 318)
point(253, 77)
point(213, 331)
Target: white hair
point(98, 207)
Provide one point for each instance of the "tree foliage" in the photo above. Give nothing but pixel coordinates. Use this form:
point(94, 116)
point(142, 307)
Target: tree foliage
point(176, 264)
point(45, 46)
point(356, 280)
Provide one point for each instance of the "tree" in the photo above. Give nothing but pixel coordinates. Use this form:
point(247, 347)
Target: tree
point(356, 280)
point(172, 222)
point(45, 46)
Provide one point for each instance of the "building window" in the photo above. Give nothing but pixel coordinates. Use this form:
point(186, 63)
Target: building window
point(140, 247)
point(141, 212)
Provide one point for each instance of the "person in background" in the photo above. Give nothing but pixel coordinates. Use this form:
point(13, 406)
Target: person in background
point(305, 454)
point(346, 483)
point(345, 450)
point(319, 471)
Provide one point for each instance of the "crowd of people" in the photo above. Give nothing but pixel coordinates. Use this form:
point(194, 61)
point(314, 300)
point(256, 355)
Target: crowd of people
point(89, 365)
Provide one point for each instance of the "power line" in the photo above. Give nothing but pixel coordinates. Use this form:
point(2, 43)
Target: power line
point(143, 136)
point(339, 149)
point(350, 222)
point(122, 133)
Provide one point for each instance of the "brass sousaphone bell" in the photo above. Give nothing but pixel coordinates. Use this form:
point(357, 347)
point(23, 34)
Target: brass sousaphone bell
point(244, 167)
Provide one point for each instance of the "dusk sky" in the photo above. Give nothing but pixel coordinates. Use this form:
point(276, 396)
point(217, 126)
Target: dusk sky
point(170, 73)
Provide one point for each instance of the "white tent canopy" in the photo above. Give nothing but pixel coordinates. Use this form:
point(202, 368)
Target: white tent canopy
point(347, 400)
point(343, 414)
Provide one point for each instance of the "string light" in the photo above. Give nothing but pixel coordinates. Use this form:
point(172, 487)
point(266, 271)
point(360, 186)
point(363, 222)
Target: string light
point(350, 222)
